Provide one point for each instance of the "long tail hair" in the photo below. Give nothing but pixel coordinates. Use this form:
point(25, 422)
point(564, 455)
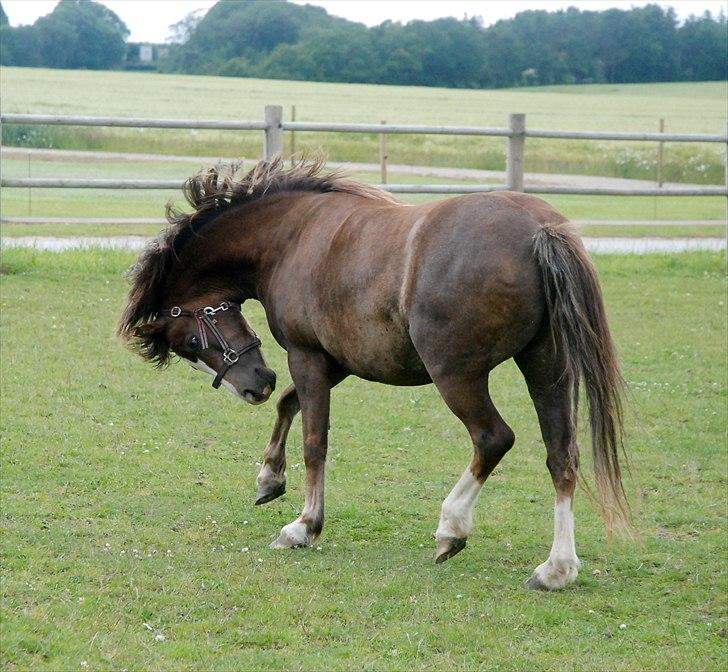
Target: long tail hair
point(579, 328)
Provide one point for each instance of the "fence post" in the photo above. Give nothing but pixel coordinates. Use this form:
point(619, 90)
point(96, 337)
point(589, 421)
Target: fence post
point(273, 131)
point(660, 156)
point(383, 157)
point(514, 155)
point(293, 133)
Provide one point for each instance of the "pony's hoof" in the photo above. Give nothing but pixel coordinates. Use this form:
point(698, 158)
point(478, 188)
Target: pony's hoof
point(267, 493)
point(534, 583)
point(448, 547)
point(285, 543)
point(294, 535)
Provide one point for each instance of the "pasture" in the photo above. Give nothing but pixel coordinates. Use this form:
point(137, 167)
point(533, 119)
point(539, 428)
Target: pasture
point(130, 539)
point(686, 107)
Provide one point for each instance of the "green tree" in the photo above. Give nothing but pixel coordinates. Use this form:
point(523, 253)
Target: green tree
point(19, 46)
point(450, 52)
point(703, 48)
point(399, 55)
point(639, 45)
point(76, 34)
point(182, 30)
point(81, 34)
point(246, 29)
point(275, 38)
point(320, 57)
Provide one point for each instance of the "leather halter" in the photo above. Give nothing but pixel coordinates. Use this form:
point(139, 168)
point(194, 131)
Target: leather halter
point(205, 321)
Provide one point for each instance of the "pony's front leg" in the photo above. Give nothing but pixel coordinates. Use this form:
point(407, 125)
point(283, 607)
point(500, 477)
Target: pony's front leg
point(312, 378)
point(272, 476)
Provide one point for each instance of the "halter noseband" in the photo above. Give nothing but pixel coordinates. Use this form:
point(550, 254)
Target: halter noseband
point(204, 317)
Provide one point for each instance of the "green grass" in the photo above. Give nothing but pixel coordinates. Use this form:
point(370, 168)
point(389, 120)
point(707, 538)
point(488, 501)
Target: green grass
point(127, 503)
point(690, 231)
point(686, 107)
point(635, 107)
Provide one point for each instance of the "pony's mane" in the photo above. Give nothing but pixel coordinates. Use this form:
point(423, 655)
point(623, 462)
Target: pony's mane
point(210, 193)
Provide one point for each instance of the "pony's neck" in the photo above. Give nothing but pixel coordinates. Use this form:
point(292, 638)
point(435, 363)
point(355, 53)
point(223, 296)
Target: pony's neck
point(235, 254)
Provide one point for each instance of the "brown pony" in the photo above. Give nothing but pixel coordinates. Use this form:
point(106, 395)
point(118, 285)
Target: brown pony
point(354, 282)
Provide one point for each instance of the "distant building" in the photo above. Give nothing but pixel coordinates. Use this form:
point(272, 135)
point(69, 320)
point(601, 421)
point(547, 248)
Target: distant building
point(146, 53)
point(143, 55)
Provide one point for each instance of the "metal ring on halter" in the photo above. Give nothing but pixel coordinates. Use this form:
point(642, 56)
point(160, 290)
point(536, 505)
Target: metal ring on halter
point(176, 311)
point(230, 356)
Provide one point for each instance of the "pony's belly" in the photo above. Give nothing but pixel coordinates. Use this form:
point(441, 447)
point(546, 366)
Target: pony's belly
point(399, 378)
point(393, 361)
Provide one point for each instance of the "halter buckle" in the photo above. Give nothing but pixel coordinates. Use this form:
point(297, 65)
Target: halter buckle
point(176, 311)
point(209, 310)
point(230, 356)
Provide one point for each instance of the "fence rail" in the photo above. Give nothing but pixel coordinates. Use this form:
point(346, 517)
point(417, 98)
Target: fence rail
point(274, 127)
point(169, 185)
point(316, 126)
point(131, 122)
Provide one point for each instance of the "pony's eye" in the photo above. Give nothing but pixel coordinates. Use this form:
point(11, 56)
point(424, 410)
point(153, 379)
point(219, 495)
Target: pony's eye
point(193, 343)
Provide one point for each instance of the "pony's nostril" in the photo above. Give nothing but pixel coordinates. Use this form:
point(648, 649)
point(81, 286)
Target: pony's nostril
point(268, 377)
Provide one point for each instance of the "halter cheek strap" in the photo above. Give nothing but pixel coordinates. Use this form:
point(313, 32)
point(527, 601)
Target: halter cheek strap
point(205, 322)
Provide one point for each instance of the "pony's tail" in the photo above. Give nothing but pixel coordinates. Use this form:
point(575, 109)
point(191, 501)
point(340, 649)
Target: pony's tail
point(578, 324)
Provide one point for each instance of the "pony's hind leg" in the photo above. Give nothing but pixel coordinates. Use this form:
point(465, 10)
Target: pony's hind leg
point(551, 392)
point(272, 476)
point(491, 438)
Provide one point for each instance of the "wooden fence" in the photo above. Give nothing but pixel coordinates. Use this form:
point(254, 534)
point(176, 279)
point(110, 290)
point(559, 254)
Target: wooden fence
point(274, 127)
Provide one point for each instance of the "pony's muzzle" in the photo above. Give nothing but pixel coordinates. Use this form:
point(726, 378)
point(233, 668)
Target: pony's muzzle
point(266, 384)
point(268, 376)
point(256, 398)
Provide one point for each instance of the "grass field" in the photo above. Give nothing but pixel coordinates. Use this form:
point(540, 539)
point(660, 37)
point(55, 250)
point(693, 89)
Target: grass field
point(130, 541)
point(631, 107)
point(686, 107)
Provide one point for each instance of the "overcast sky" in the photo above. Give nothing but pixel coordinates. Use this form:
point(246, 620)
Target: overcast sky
point(149, 20)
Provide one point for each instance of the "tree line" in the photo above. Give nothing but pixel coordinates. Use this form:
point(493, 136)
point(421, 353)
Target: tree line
point(280, 40)
point(74, 35)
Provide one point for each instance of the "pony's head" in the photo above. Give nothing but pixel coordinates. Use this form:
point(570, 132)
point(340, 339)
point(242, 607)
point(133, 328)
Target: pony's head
point(201, 323)
point(215, 339)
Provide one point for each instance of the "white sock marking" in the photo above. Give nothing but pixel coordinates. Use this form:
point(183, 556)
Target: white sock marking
point(296, 533)
point(563, 564)
point(293, 534)
point(456, 517)
point(563, 546)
